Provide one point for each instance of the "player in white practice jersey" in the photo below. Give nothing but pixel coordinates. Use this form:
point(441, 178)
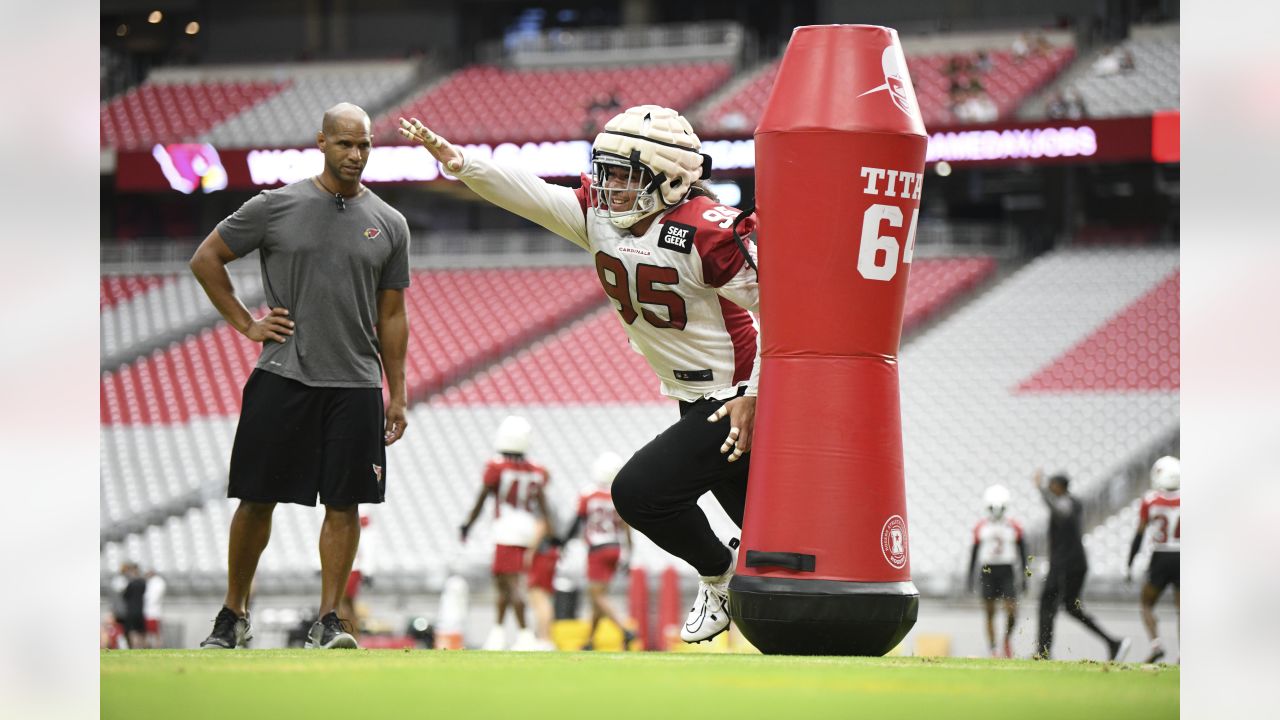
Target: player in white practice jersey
point(1161, 514)
point(519, 509)
point(605, 534)
point(683, 282)
point(1001, 553)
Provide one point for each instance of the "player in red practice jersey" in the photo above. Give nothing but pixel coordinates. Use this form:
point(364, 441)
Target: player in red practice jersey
point(684, 284)
point(999, 549)
point(1161, 514)
point(519, 504)
point(605, 534)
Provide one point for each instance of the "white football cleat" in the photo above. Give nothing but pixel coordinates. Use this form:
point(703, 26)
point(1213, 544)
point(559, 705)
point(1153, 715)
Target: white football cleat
point(525, 641)
point(709, 615)
point(497, 639)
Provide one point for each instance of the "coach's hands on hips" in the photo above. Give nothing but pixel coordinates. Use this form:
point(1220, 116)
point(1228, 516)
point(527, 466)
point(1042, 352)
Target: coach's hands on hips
point(741, 412)
point(396, 422)
point(275, 325)
point(440, 149)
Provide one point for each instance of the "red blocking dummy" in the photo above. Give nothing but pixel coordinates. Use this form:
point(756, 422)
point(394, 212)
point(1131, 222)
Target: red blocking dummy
point(825, 567)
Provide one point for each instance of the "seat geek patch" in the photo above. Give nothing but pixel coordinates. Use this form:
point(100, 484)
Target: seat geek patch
point(677, 236)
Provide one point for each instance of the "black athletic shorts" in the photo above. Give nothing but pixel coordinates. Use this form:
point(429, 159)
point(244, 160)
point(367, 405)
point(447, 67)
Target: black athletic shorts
point(997, 582)
point(295, 441)
point(1164, 570)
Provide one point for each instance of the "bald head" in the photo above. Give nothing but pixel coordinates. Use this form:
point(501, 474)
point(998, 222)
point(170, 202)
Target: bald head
point(344, 117)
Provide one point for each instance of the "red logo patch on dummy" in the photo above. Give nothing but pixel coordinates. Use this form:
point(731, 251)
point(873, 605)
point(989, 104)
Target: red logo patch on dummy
point(372, 233)
point(893, 541)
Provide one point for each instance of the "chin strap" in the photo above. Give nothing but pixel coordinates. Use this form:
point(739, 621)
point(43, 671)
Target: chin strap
point(738, 238)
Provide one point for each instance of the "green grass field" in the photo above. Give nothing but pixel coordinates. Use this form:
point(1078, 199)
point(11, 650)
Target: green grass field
point(469, 684)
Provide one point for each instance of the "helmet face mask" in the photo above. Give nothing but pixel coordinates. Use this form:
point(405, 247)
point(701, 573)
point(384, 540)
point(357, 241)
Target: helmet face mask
point(621, 190)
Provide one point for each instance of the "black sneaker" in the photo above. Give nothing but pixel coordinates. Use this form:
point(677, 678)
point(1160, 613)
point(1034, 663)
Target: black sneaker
point(328, 632)
point(1157, 653)
point(229, 631)
point(627, 638)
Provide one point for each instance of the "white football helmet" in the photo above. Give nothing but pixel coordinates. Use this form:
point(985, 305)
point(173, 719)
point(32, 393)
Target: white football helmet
point(1166, 474)
point(661, 154)
point(996, 501)
point(605, 468)
point(512, 437)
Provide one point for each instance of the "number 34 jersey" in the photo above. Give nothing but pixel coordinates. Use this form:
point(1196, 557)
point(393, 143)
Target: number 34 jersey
point(683, 290)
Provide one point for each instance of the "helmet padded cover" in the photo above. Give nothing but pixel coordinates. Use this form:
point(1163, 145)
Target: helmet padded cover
point(634, 128)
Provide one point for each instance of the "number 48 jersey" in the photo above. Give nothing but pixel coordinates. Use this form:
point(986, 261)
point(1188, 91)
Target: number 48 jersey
point(683, 290)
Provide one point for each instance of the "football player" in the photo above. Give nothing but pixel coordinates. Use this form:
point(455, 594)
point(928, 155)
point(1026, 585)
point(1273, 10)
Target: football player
point(1161, 514)
point(605, 534)
point(683, 281)
point(516, 486)
point(999, 549)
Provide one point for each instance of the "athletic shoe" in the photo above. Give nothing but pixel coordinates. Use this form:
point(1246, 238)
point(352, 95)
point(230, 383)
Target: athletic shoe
point(525, 641)
point(497, 639)
point(588, 646)
point(229, 631)
point(627, 638)
point(1119, 648)
point(709, 615)
point(1157, 652)
point(328, 633)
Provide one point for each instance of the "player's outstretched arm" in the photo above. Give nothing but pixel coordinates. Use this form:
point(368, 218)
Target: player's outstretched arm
point(513, 189)
point(444, 152)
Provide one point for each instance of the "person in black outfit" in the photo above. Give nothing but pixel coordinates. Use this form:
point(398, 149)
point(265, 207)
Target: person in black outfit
point(134, 622)
point(1067, 568)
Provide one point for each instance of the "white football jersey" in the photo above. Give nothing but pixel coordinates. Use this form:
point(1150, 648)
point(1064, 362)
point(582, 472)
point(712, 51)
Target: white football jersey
point(1162, 512)
point(997, 541)
point(683, 291)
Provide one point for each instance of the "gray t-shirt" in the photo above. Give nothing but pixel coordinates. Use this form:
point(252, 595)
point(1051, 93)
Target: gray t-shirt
point(325, 267)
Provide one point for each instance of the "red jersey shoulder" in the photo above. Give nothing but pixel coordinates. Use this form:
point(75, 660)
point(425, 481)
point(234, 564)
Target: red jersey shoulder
point(1017, 527)
point(977, 529)
point(583, 194)
point(493, 472)
point(705, 225)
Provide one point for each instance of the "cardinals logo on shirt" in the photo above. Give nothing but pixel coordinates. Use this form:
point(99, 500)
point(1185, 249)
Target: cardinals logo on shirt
point(371, 233)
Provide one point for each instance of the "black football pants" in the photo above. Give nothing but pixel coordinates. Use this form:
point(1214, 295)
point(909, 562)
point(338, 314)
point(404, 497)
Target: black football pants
point(657, 490)
point(1062, 587)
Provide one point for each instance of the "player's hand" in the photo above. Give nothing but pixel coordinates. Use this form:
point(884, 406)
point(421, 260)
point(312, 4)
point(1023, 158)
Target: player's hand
point(741, 412)
point(440, 149)
point(275, 325)
point(1037, 478)
point(396, 422)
